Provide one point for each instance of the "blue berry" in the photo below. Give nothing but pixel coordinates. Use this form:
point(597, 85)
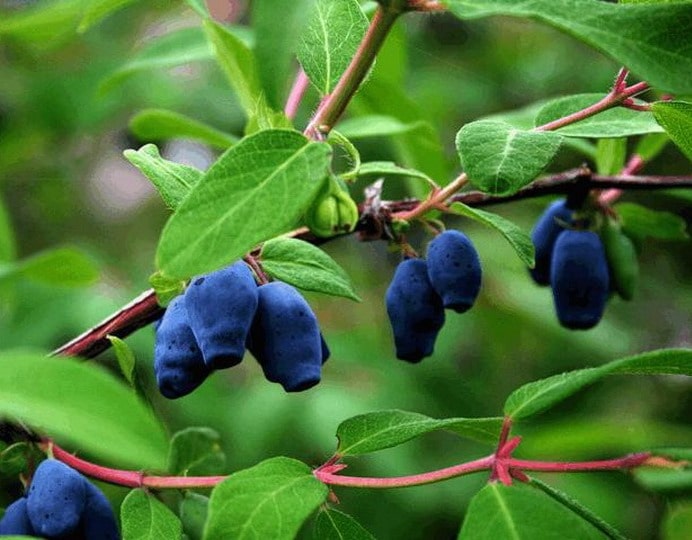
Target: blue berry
point(220, 307)
point(16, 519)
point(544, 235)
point(98, 520)
point(325, 349)
point(286, 338)
point(178, 362)
point(580, 279)
point(415, 311)
point(454, 270)
point(56, 499)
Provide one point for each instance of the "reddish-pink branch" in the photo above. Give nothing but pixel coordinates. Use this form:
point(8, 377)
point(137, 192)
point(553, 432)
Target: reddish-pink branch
point(300, 86)
point(627, 462)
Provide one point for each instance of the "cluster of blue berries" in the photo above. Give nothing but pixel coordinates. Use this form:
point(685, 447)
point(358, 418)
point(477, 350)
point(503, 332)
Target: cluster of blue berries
point(421, 290)
point(223, 313)
point(574, 263)
point(61, 503)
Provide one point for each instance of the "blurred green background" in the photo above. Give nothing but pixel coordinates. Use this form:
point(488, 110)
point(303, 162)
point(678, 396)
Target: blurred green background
point(63, 180)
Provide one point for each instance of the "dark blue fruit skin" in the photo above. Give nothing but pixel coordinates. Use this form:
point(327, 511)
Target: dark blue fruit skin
point(454, 270)
point(56, 499)
point(220, 308)
point(580, 279)
point(544, 234)
point(16, 519)
point(415, 311)
point(178, 362)
point(98, 520)
point(286, 339)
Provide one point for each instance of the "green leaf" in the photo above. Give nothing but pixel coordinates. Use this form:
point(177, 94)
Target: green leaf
point(517, 238)
point(608, 530)
point(676, 119)
point(196, 452)
point(159, 124)
point(307, 267)
point(14, 459)
point(63, 267)
point(522, 512)
point(270, 500)
point(615, 122)
point(330, 41)
point(375, 125)
point(144, 517)
point(193, 512)
point(8, 246)
point(274, 50)
point(257, 189)
point(337, 139)
point(677, 522)
point(378, 430)
point(389, 168)
point(238, 63)
point(43, 22)
point(83, 405)
point(166, 288)
point(334, 525)
point(540, 395)
point(199, 6)
point(125, 357)
point(97, 10)
point(500, 159)
point(611, 155)
point(675, 479)
point(172, 180)
point(642, 222)
point(179, 47)
point(653, 41)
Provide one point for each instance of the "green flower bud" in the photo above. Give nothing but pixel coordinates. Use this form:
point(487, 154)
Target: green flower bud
point(333, 212)
point(622, 259)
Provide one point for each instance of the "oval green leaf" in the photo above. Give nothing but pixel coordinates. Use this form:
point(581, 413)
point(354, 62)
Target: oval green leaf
point(501, 159)
point(334, 525)
point(676, 119)
point(144, 517)
point(82, 405)
point(307, 267)
point(249, 503)
point(196, 451)
point(378, 430)
point(257, 190)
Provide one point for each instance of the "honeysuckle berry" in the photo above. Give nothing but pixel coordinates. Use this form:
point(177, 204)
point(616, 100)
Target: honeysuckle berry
point(98, 520)
point(220, 308)
point(178, 362)
point(333, 212)
point(415, 311)
point(579, 278)
point(544, 234)
point(454, 270)
point(285, 338)
point(16, 520)
point(56, 500)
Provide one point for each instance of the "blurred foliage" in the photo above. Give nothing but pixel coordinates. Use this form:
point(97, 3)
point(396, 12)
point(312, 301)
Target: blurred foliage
point(63, 180)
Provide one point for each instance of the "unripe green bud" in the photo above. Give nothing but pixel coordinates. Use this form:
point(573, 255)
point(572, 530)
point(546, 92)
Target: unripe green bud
point(622, 259)
point(333, 212)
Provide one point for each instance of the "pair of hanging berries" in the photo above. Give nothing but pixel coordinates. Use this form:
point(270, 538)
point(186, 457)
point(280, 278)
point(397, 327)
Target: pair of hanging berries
point(421, 290)
point(223, 313)
point(580, 266)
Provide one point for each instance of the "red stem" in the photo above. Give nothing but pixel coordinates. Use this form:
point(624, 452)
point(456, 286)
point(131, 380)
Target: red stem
point(627, 462)
point(296, 95)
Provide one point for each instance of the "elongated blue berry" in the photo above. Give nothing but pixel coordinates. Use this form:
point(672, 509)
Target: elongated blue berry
point(178, 362)
point(16, 519)
point(286, 338)
point(579, 278)
point(56, 499)
point(454, 270)
point(547, 228)
point(415, 311)
point(98, 520)
point(220, 308)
